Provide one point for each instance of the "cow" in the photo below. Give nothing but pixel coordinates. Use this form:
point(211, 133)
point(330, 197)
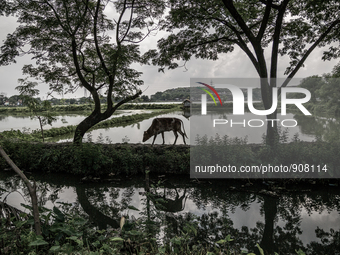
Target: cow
point(160, 125)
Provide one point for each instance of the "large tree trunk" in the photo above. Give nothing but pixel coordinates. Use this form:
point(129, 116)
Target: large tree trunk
point(272, 132)
point(86, 124)
point(267, 99)
point(270, 210)
point(97, 116)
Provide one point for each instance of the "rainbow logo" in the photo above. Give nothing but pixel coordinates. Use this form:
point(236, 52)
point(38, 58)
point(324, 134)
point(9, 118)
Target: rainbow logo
point(210, 87)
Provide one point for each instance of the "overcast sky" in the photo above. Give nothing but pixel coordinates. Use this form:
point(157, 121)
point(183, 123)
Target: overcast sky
point(233, 65)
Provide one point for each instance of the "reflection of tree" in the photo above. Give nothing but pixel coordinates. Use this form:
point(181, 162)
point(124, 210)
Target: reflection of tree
point(270, 210)
point(330, 242)
point(324, 128)
point(282, 218)
point(279, 231)
point(100, 219)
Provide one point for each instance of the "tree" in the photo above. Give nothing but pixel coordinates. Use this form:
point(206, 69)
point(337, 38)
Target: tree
point(72, 46)
point(3, 98)
point(205, 29)
point(13, 100)
point(145, 98)
point(325, 91)
point(35, 105)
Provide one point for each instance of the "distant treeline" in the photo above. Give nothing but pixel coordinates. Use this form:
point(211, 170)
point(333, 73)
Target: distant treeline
point(180, 94)
point(173, 95)
point(176, 94)
point(88, 107)
point(16, 100)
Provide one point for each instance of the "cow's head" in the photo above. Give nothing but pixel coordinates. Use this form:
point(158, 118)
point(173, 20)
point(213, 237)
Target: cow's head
point(146, 136)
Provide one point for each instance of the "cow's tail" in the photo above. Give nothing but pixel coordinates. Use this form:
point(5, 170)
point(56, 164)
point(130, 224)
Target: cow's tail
point(184, 129)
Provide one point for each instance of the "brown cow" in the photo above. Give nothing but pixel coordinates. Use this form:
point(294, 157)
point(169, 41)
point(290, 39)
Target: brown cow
point(160, 125)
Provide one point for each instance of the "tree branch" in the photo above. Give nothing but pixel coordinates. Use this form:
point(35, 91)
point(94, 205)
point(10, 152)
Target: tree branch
point(309, 51)
point(96, 41)
point(118, 23)
point(264, 21)
point(246, 50)
point(58, 18)
point(274, 6)
point(83, 16)
point(276, 41)
point(76, 63)
point(238, 18)
point(130, 21)
point(127, 99)
point(31, 190)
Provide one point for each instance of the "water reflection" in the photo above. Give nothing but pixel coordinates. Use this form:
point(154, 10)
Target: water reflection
point(323, 128)
point(17, 122)
point(309, 128)
point(296, 219)
point(238, 126)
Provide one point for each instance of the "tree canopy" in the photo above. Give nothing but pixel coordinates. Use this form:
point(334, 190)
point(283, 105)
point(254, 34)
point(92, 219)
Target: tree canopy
point(206, 29)
point(325, 91)
point(76, 44)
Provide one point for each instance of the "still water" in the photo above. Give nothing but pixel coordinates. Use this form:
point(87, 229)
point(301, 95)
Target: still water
point(134, 133)
point(308, 129)
point(17, 122)
point(301, 217)
point(306, 218)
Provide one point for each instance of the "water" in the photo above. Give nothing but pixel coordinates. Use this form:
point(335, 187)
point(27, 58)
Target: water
point(293, 218)
point(22, 123)
point(308, 129)
point(237, 126)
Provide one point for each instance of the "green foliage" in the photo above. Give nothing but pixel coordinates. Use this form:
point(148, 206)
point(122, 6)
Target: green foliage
point(68, 60)
point(96, 159)
point(27, 92)
point(103, 159)
point(235, 151)
point(205, 30)
point(65, 231)
point(324, 157)
point(209, 29)
point(324, 92)
point(172, 94)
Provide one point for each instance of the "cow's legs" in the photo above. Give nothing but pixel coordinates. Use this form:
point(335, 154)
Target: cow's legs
point(154, 138)
point(180, 131)
point(175, 133)
point(163, 137)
